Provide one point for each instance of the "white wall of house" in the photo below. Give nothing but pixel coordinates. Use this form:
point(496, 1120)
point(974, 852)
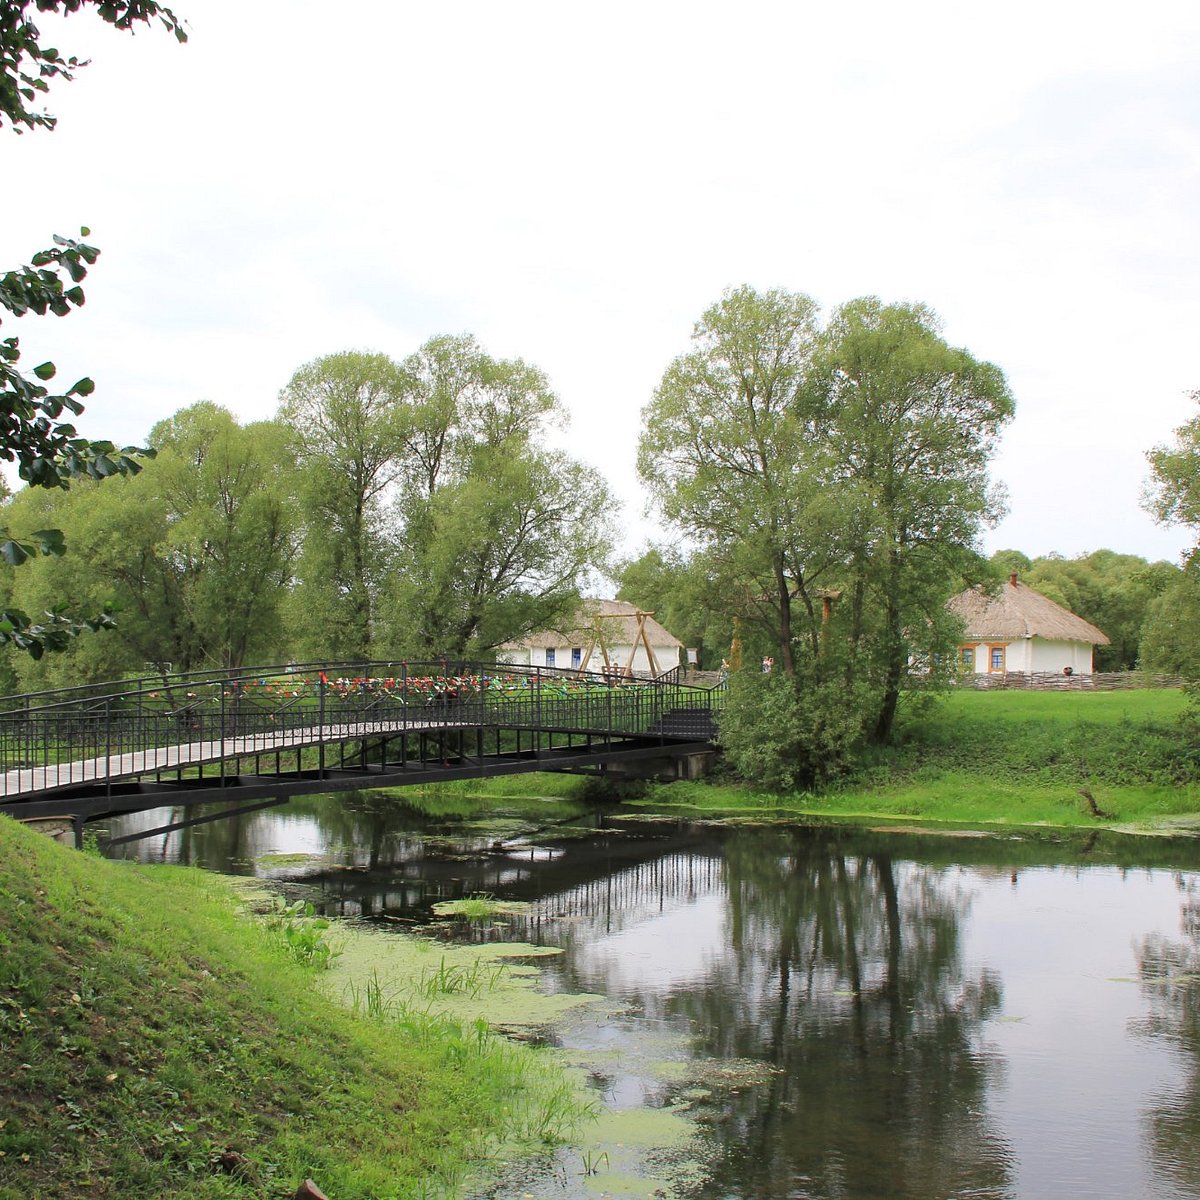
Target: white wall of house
point(572, 657)
point(1053, 656)
point(1028, 656)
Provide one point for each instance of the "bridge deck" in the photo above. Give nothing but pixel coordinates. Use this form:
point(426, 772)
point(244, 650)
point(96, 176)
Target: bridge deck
point(28, 781)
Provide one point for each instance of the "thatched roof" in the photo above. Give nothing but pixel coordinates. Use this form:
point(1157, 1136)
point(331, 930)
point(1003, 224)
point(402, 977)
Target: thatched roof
point(1017, 611)
point(618, 627)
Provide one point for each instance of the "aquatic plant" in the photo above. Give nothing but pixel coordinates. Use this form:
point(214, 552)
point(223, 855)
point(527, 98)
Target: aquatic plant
point(302, 933)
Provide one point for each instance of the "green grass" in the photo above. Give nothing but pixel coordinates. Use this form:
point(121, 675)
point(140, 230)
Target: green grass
point(977, 758)
point(148, 1026)
point(1014, 758)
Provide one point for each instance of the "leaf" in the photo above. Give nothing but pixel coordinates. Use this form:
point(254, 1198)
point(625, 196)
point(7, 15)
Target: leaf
point(13, 553)
point(51, 541)
point(47, 370)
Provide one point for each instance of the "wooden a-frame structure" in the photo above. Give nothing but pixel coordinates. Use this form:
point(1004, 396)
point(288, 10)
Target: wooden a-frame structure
point(624, 670)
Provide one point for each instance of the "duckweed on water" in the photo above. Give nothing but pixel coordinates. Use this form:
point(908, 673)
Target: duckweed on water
point(461, 983)
point(480, 908)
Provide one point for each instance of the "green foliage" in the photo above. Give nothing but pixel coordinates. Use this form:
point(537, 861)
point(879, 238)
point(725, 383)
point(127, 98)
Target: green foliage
point(681, 593)
point(728, 454)
point(1173, 492)
point(494, 534)
point(786, 732)
point(834, 481)
point(436, 522)
point(348, 413)
point(1169, 638)
point(195, 553)
point(27, 67)
point(301, 933)
point(48, 451)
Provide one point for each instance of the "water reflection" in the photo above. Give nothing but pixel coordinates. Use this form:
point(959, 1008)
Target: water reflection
point(936, 1018)
point(1169, 969)
point(845, 973)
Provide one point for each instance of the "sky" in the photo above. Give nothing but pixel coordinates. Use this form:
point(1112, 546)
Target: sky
point(575, 184)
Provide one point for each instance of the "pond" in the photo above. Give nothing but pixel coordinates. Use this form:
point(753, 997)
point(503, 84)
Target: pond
point(838, 1013)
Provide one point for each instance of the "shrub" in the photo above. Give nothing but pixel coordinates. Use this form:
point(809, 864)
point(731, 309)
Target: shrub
point(784, 733)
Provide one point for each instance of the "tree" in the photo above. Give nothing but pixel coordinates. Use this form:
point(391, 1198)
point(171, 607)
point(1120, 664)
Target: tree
point(1172, 494)
point(494, 533)
point(195, 554)
point(351, 414)
point(684, 596)
point(27, 67)
point(836, 479)
point(48, 452)
point(435, 520)
point(727, 452)
point(1172, 497)
point(1168, 639)
point(914, 423)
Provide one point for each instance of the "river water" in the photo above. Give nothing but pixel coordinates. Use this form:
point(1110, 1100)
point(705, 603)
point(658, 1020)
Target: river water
point(929, 1016)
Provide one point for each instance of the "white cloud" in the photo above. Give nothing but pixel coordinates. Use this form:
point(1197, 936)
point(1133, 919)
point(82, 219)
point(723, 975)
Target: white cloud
point(576, 184)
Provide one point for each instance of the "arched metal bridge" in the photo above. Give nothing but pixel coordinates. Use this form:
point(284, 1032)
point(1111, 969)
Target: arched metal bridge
point(265, 734)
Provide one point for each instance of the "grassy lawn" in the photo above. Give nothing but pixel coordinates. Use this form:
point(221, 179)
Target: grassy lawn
point(155, 1040)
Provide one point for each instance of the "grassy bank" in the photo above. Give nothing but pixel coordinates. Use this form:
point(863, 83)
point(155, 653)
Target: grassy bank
point(156, 1041)
point(977, 758)
point(1015, 758)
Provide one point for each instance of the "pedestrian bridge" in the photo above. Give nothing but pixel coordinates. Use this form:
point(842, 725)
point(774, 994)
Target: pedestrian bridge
point(265, 734)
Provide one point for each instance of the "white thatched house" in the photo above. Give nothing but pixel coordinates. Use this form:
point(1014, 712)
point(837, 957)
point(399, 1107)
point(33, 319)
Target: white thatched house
point(1018, 629)
point(606, 634)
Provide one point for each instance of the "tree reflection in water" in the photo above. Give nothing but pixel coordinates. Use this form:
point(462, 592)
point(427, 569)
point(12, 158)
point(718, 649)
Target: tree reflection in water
point(1170, 973)
point(845, 972)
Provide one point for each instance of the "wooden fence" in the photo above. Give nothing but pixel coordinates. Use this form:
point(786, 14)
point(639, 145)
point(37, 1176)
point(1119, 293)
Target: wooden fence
point(1101, 681)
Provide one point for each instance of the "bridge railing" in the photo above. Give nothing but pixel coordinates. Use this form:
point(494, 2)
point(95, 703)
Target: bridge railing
point(109, 730)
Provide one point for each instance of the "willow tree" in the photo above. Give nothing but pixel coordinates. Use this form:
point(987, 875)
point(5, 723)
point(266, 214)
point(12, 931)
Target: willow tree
point(729, 454)
point(194, 554)
point(1172, 497)
point(913, 423)
point(349, 412)
point(493, 533)
point(837, 477)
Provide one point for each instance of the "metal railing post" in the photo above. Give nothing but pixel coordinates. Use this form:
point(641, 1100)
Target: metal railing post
point(321, 725)
point(108, 747)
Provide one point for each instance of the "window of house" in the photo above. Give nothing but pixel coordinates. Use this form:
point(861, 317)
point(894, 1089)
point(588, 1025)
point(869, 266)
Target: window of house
point(996, 658)
point(550, 657)
point(966, 657)
point(576, 655)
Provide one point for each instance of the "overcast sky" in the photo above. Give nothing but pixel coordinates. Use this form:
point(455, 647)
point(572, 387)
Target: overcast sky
point(574, 184)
